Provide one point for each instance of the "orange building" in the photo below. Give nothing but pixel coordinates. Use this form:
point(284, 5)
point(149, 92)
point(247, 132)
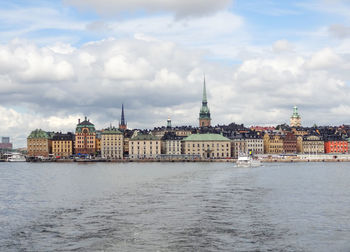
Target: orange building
point(85, 138)
point(335, 146)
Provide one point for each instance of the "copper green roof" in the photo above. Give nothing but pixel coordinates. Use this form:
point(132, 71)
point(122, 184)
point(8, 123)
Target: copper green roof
point(295, 112)
point(85, 124)
point(206, 137)
point(39, 133)
point(110, 131)
point(144, 137)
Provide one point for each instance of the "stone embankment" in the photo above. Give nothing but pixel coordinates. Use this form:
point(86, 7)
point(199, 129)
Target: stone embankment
point(266, 160)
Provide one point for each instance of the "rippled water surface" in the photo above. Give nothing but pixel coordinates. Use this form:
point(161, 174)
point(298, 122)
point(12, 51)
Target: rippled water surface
point(174, 207)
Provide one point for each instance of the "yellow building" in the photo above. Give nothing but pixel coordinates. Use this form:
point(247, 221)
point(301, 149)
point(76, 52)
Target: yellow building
point(144, 146)
point(39, 143)
point(112, 141)
point(62, 144)
point(299, 144)
point(207, 146)
point(273, 144)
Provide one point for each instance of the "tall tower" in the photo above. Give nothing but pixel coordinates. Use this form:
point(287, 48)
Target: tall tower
point(122, 124)
point(204, 113)
point(168, 123)
point(295, 119)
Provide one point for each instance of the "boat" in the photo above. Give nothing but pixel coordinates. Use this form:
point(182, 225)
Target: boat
point(16, 157)
point(247, 161)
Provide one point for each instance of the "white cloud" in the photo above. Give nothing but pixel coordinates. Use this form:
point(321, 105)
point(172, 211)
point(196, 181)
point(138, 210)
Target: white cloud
point(282, 45)
point(120, 68)
point(156, 79)
point(324, 58)
point(181, 8)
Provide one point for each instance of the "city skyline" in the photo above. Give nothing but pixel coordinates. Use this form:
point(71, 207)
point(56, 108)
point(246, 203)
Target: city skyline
point(62, 60)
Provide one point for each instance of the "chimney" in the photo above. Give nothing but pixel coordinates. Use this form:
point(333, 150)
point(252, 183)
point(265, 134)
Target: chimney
point(85, 118)
point(79, 121)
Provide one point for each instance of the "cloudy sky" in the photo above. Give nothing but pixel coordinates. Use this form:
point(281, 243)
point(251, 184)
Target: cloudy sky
point(63, 59)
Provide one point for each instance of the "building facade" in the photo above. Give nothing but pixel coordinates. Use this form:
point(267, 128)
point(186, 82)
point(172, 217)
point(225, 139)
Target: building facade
point(112, 143)
point(204, 113)
point(313, 145)
point(171, 144)
point(207, 146)
point(254, 145)
point(247, 144)
point(335, 145)
point(85, 138)
point(273, 144)
point(295, 120)
point(238, 147)
point(39, 143)
point(144, 146)
point(63, 144)
point(290, 143)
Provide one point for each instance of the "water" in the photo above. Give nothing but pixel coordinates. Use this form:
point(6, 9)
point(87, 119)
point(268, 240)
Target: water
point(174, 207)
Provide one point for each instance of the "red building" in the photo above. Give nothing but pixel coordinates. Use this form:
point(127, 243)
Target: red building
point(290, 143)
point(335, 145)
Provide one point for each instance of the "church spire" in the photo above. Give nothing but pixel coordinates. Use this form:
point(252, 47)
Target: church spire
point(204, 99)
point(204, 113)
point(122, 124)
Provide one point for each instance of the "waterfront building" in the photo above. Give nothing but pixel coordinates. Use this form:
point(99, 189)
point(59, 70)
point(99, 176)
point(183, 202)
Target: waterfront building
point(207, 146)
point(144, 146)
point(98, 142)
point(273, 143)
point(335, 144)
point(85, 138)
point(254, 144)
point(127, 134)
point(246, 143)
point(289, 143)
point(300, 144)
point(171, 144)
point(112, 143)
point(39, 143)
point(238, 146)
point(295, 120)
point(122, 124)
point(313, 145)
point(204, 113)
point(62, 144)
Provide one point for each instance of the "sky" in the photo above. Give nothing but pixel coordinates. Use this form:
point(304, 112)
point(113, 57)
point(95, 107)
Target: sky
point(61, 60)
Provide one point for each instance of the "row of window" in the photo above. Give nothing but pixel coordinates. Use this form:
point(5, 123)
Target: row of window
point(132, 142)
point(208, 145)
point(223, 154)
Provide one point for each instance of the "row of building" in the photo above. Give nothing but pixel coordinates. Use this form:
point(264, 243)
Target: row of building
point(180, 142)
point(205, 141)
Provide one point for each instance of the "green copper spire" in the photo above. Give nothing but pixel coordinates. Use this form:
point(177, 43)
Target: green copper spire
point(204, 112)
point(295, 112)
point(204, 100)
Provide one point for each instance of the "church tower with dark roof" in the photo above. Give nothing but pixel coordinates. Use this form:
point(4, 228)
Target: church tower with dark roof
point(204, 113)
point(122, 124)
